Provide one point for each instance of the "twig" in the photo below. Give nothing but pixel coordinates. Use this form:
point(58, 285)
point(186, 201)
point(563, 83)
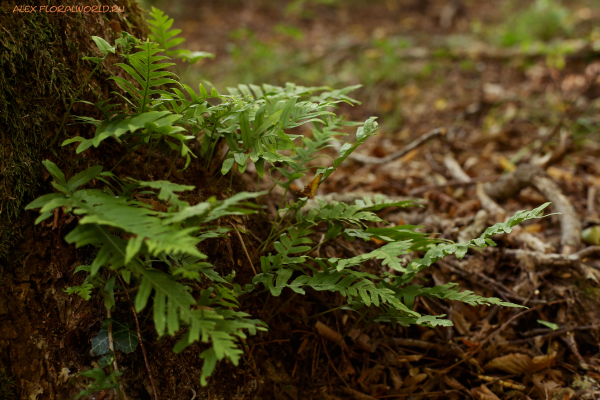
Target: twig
point(572, 344)
point(111, 345)
point(550, 333)
point(501, 382)
point(137, 325)
point(331, 363)
point(397, 154)
point(244, 247)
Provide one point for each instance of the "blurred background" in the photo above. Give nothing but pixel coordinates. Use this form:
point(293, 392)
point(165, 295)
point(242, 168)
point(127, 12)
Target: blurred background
point(411, 56)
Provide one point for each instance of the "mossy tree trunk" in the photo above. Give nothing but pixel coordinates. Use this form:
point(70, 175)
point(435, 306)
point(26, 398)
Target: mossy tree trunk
point(43, 332)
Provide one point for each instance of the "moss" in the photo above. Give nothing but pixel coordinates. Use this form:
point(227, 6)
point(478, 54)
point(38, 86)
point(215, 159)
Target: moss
point(34, 83)
point(40, 71)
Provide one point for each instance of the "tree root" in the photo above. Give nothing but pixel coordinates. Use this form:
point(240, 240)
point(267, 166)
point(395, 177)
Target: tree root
point(541, 260)
point(531, 175)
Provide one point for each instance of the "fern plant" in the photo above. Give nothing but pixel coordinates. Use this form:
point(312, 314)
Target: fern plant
point(147, 233)
point(159, 246)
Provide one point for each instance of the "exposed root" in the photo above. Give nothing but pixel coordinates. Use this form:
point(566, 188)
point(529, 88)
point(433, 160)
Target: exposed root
point(541, 260)
point(531, 175)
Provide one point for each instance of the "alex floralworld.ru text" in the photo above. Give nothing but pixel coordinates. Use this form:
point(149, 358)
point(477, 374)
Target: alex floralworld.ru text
point(54, 9)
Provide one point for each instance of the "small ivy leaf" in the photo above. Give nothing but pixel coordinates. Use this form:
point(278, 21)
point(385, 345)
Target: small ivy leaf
point(100, 342)
point(103, 45)
point(106, 359)
point(124, 339)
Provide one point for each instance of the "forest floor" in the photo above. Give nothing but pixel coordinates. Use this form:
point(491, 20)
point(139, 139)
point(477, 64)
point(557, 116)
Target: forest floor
point(506, 111)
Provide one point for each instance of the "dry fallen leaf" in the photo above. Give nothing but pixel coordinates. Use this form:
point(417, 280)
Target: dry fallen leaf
point(310, 189)
point(513, 363)
point(329, 334)
point(414, 357)
point(413, 380)
point(483, 393)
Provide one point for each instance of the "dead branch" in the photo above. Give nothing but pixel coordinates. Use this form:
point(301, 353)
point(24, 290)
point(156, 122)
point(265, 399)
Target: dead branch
point(397, 154)
point(531, 175)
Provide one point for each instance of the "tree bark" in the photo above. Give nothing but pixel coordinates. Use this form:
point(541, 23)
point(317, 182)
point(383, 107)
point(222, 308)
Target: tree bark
point(43, 339)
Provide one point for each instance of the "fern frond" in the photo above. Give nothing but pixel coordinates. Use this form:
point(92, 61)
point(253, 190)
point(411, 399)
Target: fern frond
point(460, 249)
point(161, 32)
point(388, 254)
point(145, 68)
point(449, 291)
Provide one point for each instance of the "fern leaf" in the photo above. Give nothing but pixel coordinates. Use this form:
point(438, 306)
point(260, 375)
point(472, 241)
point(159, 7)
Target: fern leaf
point(145, 69)
point(460, 249)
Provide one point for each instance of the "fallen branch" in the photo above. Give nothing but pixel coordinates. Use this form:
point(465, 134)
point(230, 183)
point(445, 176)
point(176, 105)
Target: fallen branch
point(397, 154)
